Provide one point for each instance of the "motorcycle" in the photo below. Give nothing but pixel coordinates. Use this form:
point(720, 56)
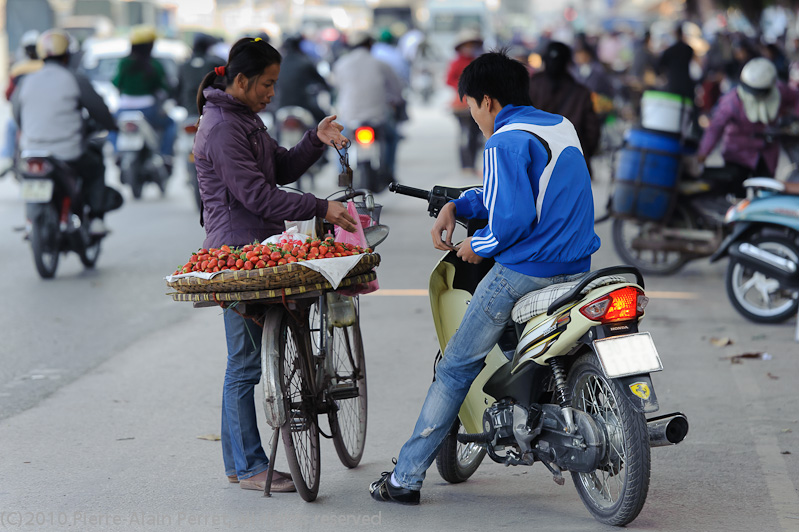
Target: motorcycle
point(567, 385)
point(56, 211)
point(186, 141)
point(292, 122)
point(367, 156)
point(138, 153)
point(762, 279)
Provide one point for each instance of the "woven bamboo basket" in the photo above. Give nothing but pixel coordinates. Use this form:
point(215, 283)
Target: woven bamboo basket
point(266, 295)
point(285, 276)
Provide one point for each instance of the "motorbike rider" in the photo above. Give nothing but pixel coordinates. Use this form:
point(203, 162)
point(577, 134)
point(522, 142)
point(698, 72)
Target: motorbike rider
point(538, 202)
point(143, 85)
point(239, 168)
point(369, 91)
point(51, 120)
point(300, 81)
point(29, 63)
point(468, 45)
point(740, 119)
point(192, 72)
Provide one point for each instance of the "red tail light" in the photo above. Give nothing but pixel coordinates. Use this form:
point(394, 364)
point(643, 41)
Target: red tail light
point(624, 304)
point(292, 123)
point(130, 127)
point(365, 135)
point(191, 130)
point(37, 167)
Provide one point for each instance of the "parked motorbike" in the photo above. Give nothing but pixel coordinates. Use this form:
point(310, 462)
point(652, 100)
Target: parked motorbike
point(139, 154)
point(568, 384)
point(762, 279)
point(56, 211)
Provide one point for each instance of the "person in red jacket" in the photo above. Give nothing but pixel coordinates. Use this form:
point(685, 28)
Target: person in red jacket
point(468, 46)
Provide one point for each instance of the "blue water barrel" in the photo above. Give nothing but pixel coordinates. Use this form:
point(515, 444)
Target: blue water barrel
point(646, 174)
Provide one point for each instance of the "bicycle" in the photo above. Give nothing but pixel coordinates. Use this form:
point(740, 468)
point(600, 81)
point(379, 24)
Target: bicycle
point(313, 364)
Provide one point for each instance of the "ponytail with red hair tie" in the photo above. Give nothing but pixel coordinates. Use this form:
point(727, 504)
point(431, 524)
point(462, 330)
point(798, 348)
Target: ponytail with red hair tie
point(220, 70)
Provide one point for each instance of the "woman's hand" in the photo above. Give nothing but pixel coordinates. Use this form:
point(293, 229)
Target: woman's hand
point(337, 214)
point(329, 132)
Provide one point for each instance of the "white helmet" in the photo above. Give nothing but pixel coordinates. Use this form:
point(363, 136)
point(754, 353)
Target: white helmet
point(758, 91)
point(52, 43)
point(759, 75)
point(28, 38)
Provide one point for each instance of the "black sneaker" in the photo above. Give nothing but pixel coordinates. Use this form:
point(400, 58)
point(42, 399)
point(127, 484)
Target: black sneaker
point(384, 491)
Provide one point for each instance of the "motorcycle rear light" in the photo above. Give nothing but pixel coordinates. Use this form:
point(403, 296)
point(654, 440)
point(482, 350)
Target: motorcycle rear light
point(623, 304)
point(738, 207)
point(37, 167)
point(191, 130)
point(365, 135)
point(292, 123)
point(130, 127)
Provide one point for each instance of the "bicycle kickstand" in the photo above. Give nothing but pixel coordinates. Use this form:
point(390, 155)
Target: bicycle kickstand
point(272, 455)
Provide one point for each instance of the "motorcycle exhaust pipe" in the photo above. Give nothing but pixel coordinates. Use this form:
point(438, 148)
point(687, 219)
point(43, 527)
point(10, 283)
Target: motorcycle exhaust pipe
point(669, 429)
point(780, 268)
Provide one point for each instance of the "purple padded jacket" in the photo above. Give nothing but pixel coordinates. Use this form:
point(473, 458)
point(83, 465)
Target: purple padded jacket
point(239, 167)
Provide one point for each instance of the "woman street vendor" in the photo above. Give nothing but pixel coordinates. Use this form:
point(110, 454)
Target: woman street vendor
point(239, 167)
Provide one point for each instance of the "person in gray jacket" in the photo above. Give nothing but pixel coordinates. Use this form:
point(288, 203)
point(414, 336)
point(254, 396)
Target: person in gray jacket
point(48, 106)
point(239, 168)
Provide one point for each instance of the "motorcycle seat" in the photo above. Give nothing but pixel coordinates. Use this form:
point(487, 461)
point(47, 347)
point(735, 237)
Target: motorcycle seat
point(538, 301)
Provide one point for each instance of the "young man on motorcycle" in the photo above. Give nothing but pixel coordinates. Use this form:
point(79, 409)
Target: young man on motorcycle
point(741, 118)
point(48, 107)
point(537, 199)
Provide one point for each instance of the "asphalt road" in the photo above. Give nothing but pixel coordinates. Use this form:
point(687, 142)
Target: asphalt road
point(106, 385)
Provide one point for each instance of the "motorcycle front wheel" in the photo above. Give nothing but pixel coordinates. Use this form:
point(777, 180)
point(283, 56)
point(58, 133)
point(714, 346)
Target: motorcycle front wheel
point(615, 492)
point(45, 240)
point(756, 296)
point(650, 261)
point(456, 461)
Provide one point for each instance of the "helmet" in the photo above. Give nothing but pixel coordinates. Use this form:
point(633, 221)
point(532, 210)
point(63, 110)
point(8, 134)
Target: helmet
point(29, 38)
point(759, 75)
point(468, 36)
point(758, 91)
point(359, 38)
point(52, 43)
point(142, 34)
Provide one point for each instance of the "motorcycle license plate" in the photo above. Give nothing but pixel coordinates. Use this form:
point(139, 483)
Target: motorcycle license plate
point(37, 190)
point(629, 354)
point(129, 142)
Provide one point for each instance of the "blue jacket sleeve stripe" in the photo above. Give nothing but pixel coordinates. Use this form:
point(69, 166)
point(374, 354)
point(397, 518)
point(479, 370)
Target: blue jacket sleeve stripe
point(488, 241)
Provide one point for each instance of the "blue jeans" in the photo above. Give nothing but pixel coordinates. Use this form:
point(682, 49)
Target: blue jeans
point(9, 148)
point(486, 318)
point(242, 452)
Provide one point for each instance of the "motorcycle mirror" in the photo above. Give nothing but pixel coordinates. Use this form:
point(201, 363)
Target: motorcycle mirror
point(375, 235)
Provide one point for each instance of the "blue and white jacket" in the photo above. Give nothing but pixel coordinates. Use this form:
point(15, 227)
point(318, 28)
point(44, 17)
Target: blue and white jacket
point(536, 196)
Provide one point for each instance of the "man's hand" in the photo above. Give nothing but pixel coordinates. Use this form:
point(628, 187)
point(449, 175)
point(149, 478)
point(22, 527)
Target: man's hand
point(466, 254)
point(444, 226)
point(329, 132)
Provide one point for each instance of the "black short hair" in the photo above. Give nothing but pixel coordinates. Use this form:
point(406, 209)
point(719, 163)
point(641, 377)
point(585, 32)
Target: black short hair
point(498, 76)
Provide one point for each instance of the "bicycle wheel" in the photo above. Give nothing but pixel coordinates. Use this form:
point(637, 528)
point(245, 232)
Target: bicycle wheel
point(348, 390)
point(300, 432)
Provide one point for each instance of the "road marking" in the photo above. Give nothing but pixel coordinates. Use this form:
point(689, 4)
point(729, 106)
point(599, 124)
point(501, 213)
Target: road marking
point(403, 292)
point(783, 495)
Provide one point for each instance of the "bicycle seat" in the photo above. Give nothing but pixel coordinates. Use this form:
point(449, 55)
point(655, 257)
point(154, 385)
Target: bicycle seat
point(538, 301)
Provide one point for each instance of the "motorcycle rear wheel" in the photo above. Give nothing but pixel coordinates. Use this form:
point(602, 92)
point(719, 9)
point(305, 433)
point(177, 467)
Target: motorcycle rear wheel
point(650, 262)
point(756, 296)
point(300, 433)
point(615, 492)
point(46, 242)
point(456, 461)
